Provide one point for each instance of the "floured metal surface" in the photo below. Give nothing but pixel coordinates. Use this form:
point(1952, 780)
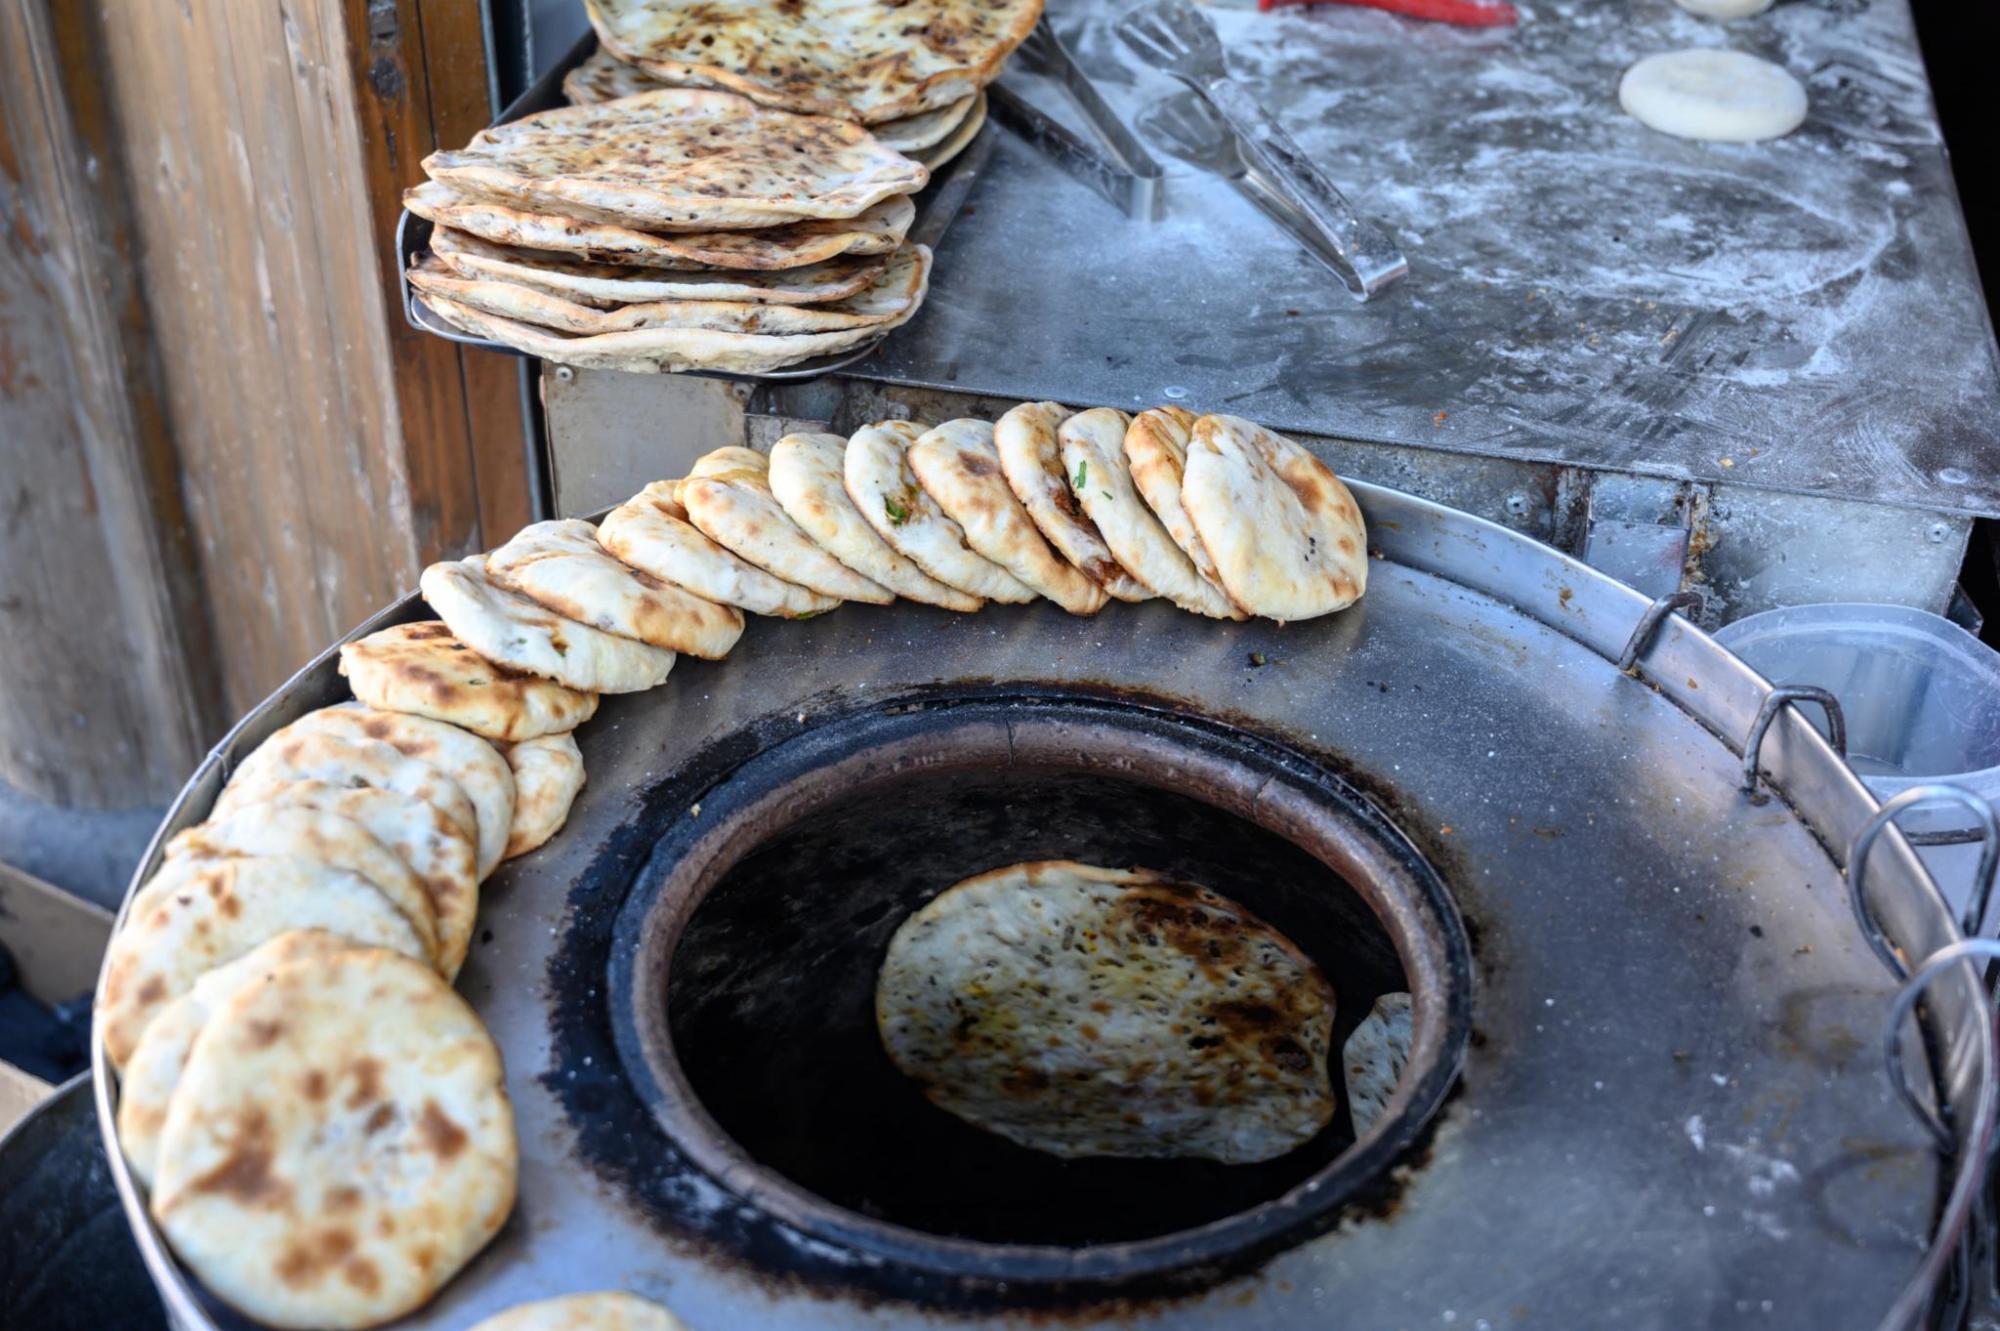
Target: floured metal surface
point(1799, 315)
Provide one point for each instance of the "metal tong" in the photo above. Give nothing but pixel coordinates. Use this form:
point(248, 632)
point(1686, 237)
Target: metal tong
point(1117, 166)
point(1180, 41)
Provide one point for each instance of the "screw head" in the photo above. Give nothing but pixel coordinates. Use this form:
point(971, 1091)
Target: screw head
point(1518, 505)
point(564, 374)
point(1939, 532)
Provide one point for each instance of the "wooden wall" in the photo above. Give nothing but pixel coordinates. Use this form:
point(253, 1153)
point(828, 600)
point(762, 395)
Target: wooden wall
point(294, 452)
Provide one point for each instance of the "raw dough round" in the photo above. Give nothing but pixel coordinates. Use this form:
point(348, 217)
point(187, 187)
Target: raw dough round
point(1706, 93)
point(1724, 9)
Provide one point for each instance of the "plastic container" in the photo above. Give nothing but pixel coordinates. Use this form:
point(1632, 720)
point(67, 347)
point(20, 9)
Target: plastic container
point(1922, 702)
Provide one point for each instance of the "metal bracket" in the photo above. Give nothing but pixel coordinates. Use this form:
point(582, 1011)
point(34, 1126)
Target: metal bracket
point(1836, 724)
point(1973, 918)
point(1649, 623)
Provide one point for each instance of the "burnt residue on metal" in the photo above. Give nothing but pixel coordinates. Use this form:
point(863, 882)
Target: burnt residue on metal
point(621, 1141)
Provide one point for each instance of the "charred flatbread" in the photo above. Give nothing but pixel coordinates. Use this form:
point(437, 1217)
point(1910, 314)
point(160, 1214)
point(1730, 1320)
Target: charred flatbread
point(731, 503)
point(879, 481)
point(548, 773)
point(625, 283)
point(1375, 1057)
point(650, 531)
point(1031, 460)
point(610, 1311)
point(303, 756)
point(422, 669)
point(562, 566)
point(960, 138)
point(509, 628)
point(1156, 451)
point(1085, 1011)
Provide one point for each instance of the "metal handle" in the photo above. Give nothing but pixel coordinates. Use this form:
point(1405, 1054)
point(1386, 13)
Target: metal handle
point(1649, 623)
point(1899, 1011)
point(1973, 918)
point(1371, 259)
point(1836, 724)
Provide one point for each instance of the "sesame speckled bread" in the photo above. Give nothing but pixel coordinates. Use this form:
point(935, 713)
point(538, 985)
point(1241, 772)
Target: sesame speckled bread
point(1156, 451)
point(1286, 536)
point(1374, 1058)
point(548, 773)
point(562, 566)
point(681, 159)
point(960, 469)
point(876, 468)
point(1093, 457)
point(340, 1143)
point(509, 628)
point(1084, 1011)
point(807, 476)
point(609, 1311)
point(422, 669)
point(870, 61)
point(196, 914)
point(728, 497)
point(1031, 459)
point(650, 531)
point(590, 282)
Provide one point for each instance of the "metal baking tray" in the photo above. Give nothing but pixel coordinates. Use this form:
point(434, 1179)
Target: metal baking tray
point(937, 204)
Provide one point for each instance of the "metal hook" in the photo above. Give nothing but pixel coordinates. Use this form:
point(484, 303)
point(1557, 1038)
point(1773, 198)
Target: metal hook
point(1899, 1011)
point(1973, 918)
point(1649, 624)
point(1836, 724)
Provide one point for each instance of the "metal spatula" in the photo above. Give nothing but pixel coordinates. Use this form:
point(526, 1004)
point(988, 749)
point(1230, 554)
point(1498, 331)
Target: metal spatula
point(1179, 40)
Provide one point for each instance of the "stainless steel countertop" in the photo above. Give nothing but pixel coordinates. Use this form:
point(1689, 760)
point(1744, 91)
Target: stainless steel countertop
point(1802, 315)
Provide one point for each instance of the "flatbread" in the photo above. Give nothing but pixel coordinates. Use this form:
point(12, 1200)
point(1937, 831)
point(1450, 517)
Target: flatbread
point(623, 283)
point(1285, 534)
point(657, 350)
point(610, 1311)
point(808, 479)
point(146, 1086)
point(197, 914)
point(871, 62)
point(650, 531)
point(603, 77)
point(1084, 1011)
point(509, 628)
point(960, 139)
point(879, 481)
point(470, 761)
point(1031, 460)
point(680, 159)
point(879, 230)
point(1714, 94)
point(1374, 1059)
point(423, 670)
point(302, 756)
point(560, 565)
point(444, 859)
point(960, 469)
point(548, 773)
point(900, 285)
point(1093, 456)
point(294, 832)
point(340, 1144)
point(1156, 453)
point(736, 509)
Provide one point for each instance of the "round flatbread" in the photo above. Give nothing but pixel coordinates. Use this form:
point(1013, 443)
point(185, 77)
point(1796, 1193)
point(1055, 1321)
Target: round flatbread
point(562, 566)
point(1285, 534)
point(509, 628)
point(1724, 9)
point(470, 761)
point(899, 285)
point(1031, 460)
point(198, 914)
point(611, 1311)
point(444, 858)
point(340, 1143)
point(295, 832)
point(548, 773)
point(1714, 94)
point(650, 531)
point(1156, 454)
point(872, 62)
point(1092, 447)
point(807, 476)
point(734, 507)
point(305, 756)
point(1104, 1012)
point(146, 1086)
point(423, 670)
point(544, 238)
point(1374, 1058)
point(959, 140)
point(877, 473)
point(960, 469)
point(680, 159)
point(611, 284)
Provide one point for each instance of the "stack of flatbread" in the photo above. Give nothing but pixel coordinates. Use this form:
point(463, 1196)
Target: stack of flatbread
point(673, 229)
point(294, 1062)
